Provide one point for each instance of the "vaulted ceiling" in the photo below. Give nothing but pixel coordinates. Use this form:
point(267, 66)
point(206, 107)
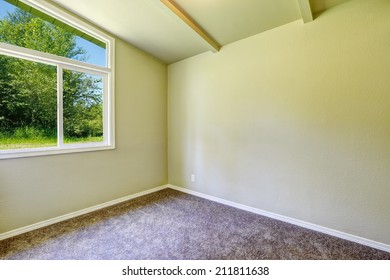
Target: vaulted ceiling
point(157, 29)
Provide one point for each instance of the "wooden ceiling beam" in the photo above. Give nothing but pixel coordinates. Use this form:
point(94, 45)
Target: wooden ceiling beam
point(214, 46)
point(306, 12)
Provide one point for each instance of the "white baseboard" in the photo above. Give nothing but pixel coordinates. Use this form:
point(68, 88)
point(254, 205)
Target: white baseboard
point(332, 232)
point(65, 217)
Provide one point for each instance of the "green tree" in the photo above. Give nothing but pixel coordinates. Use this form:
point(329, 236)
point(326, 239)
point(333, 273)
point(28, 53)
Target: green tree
point(28, 94)
point(82, 103)
point(28, 90)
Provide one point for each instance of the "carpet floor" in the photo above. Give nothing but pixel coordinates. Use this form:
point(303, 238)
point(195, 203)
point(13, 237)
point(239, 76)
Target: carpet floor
point(170, 225)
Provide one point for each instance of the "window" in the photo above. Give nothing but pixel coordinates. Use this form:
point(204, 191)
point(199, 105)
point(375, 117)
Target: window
point(56, 82)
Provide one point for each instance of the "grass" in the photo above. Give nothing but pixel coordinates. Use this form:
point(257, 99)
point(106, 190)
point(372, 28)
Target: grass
point(11, 143)
point(29, 137)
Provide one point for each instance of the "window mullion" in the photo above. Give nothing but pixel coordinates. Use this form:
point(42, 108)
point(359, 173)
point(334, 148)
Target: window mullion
point(60, 107)
point(48, 58)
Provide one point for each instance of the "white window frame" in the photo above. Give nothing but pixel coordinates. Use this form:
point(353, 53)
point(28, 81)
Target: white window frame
point(63, 63)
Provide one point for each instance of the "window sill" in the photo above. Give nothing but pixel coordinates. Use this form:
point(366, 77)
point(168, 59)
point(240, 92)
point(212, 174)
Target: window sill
point(34, 152)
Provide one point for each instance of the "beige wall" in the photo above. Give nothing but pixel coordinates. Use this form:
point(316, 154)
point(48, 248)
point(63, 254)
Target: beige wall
point(39, 188)
point(295, 121)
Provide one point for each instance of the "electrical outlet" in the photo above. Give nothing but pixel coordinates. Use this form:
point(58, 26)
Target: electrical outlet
point(192, 178)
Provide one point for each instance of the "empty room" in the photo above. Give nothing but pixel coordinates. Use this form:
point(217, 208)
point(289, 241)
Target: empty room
point(195, 130)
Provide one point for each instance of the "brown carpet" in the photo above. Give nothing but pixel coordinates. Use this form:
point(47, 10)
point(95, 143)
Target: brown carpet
point(173, 225)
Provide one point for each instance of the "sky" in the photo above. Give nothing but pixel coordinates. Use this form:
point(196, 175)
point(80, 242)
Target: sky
point(95, 54)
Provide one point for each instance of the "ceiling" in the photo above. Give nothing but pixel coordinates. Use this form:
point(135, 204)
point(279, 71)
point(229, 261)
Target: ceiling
point(154, 28)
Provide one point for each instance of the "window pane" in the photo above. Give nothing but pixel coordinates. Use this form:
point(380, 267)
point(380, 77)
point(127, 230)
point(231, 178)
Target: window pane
point(82, 107)
point(29, 28)
point(28, 104)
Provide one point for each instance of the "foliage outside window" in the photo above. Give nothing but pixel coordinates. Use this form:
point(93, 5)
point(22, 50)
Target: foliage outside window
point(53, 97)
